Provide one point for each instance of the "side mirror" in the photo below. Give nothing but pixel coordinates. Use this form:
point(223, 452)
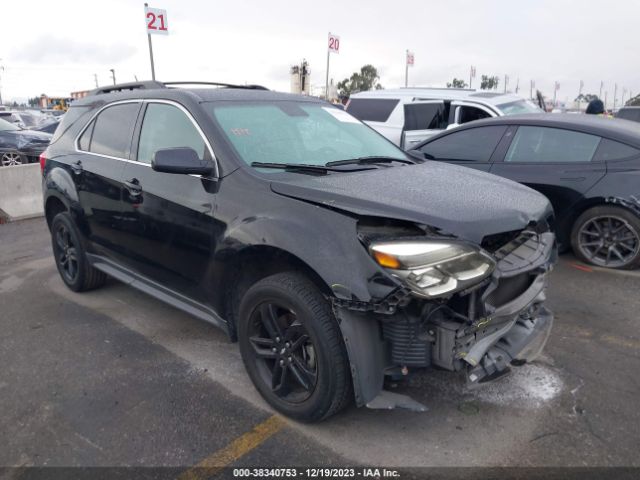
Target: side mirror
point(182, 160)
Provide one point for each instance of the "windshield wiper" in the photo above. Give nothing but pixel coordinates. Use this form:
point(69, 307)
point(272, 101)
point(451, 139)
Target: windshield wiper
point(369, 160)
point(304, 167)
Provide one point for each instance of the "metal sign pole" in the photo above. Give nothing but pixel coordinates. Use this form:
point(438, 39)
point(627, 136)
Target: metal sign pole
point(326, 85)
point(153, 68)
point(406, 69)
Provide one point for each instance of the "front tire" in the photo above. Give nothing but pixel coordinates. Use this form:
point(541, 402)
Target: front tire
point(607, 236)
point(292, 348)
point(71, 260)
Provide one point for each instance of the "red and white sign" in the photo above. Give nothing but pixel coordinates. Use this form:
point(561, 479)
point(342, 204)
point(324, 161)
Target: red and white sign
point(156, 20)
point(410, 58)
point(334, 43)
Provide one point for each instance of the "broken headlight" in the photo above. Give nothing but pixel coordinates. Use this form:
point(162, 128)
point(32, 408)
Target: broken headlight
point(433, 269)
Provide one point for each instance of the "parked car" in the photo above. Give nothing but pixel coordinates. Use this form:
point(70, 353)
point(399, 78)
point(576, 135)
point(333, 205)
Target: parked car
point(407, 116)
point(48, 127)
point(629, 113)
point(52, 112)
point(21, 118)
point(308, 237)
point(587, 166)
point(19, 146)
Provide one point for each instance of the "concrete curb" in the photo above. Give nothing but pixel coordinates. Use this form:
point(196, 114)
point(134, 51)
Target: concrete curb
point(20, 192)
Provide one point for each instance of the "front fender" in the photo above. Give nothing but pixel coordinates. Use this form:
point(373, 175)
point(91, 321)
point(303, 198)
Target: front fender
point(329, 246)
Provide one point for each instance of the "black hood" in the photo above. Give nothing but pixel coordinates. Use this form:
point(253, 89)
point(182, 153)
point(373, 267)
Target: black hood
point(467, 203)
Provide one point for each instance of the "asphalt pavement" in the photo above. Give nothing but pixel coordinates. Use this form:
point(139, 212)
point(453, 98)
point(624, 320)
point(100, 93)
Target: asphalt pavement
point(115, 378)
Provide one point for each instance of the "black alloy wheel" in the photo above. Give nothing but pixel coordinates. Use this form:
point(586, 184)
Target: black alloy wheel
point(608, 237)
point(292, 347)
point(69, 254)
point(283, 351)
point(66, 253)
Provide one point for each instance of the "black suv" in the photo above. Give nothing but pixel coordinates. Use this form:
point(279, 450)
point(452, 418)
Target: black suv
point(334, 259)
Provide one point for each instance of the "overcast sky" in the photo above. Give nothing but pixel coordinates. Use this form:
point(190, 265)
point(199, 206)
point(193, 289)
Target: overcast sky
point(56, 46)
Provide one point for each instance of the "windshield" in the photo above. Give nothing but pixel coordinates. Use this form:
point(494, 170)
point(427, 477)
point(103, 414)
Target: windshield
point(7, 127)
point(299, 133)
point(518, 107)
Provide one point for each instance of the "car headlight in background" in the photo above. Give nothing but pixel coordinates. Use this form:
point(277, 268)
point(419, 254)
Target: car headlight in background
point(433, 268)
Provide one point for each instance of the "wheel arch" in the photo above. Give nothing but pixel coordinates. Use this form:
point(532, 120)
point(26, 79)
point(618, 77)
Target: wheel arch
point(53, 206)
point(630, 204)
point(250, 265)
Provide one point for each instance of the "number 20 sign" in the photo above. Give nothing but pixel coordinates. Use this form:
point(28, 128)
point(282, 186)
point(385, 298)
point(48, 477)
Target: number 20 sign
point(156, 20)
point(334, 43)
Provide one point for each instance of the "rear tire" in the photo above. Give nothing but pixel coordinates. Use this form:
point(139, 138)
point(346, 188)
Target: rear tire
point(70, 257)
point(12, 158)
point(607, 236)
point(292, 348)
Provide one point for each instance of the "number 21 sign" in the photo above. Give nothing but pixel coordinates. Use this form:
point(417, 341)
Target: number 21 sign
point(156, 20)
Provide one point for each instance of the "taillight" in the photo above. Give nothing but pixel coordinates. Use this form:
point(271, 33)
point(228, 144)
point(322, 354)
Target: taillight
point(43, 161)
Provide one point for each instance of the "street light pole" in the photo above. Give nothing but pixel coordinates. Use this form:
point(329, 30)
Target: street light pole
point(531, 85)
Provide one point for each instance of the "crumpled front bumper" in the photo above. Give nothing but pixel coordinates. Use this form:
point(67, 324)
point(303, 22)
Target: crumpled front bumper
point(511, 327)
point(522, 325)
point(525, 325)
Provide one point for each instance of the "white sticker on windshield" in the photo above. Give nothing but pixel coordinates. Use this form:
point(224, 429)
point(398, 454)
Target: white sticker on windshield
point(340, 115)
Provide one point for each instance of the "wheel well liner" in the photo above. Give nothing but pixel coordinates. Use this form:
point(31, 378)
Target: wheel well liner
point(53, 207)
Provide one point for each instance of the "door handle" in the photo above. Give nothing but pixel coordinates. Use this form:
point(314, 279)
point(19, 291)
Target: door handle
point(77, 167)
point(133, 186)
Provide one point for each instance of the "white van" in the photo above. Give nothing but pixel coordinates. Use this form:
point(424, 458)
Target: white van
point(407, 116)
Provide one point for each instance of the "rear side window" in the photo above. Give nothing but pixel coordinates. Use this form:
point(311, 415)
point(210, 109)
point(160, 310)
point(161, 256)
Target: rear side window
point(113, 130)
point(474, 144)
point(68, 119)
point(611, 150)
point(425, 116)
point(166, 126)
point(372, 109)
point(85, 139)
point(544, 144)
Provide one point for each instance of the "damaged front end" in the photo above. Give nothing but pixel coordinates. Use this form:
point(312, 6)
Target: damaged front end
point(459, 307)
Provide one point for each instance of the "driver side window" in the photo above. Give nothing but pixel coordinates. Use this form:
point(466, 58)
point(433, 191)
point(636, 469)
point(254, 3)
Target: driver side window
point(166, 126)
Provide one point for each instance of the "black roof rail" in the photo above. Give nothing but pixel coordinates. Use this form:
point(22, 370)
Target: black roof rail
point(122, 87)
point(218, 84)
point(152, 84)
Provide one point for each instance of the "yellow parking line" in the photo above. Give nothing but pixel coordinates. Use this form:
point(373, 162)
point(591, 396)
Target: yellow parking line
point(242, 445)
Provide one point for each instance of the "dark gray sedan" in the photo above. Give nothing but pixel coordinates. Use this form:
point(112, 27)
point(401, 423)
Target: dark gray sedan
point(587, 166)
